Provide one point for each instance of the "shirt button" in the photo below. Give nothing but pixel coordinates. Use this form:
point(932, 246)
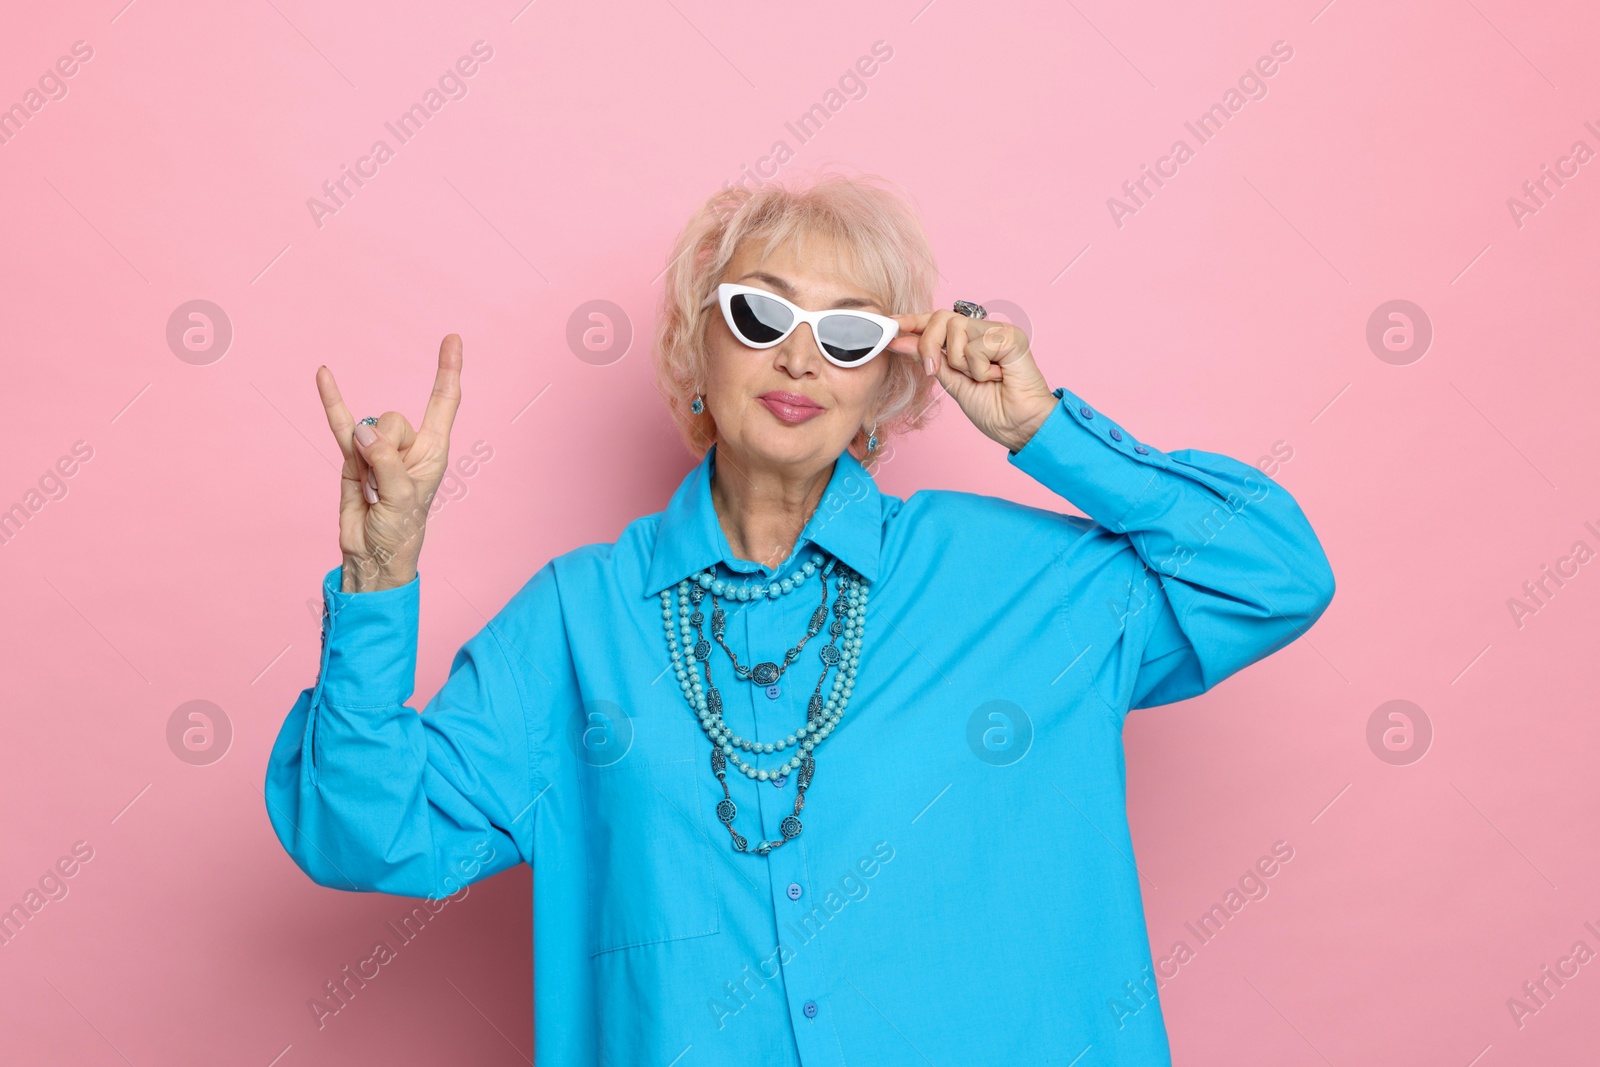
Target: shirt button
point(794, 890)
point(773, 691)
point(1143, 451)
point(1116, 434)
point(1085, 412)
point(781, 781)
point(810, 1008)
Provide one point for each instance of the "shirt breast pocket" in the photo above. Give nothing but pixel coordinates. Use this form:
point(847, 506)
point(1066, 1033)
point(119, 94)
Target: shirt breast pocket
point(650, 858)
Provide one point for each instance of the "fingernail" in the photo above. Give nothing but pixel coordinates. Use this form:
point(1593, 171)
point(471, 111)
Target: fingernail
point(365, 434)
point(927, 364)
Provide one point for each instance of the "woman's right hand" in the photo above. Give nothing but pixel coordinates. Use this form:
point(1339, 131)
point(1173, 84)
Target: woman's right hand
point(389, 480)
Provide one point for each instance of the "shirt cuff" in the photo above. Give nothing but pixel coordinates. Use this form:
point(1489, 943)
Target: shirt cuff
point(1083, 455)
point(369, 644)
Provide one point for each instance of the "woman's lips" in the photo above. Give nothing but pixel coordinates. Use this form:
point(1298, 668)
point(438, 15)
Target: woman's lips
point(790, 408)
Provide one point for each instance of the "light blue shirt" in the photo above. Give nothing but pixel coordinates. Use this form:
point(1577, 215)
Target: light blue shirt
point(964, 889)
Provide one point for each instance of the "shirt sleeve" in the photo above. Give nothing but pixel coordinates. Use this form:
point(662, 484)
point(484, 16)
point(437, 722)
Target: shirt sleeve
point(1224, 568)
point(367, 794)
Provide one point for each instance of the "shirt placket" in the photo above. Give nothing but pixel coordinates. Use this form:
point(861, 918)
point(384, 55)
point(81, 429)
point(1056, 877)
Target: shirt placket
point(770, 630)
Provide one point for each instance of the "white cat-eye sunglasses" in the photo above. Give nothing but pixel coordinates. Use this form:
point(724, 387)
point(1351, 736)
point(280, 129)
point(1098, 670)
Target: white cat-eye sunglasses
point(847, 337)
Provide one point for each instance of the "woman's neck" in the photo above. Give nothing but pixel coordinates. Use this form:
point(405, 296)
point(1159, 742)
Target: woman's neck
point(763, 510)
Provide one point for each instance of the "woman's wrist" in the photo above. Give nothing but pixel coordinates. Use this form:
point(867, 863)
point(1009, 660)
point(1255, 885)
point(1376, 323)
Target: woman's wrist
point(1029, 425)
point(366, 575)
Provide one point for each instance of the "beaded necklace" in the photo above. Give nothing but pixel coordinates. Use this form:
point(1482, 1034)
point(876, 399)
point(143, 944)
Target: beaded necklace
point(705, 700)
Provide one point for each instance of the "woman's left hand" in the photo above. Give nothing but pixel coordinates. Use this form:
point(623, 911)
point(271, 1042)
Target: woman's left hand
point(986, 365)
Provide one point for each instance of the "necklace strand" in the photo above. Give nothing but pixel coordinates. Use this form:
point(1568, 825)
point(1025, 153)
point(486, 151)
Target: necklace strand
point(765, 673)
point(705, 700)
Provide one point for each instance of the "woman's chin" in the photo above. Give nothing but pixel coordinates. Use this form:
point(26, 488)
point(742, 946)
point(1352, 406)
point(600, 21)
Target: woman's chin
point(785, 444)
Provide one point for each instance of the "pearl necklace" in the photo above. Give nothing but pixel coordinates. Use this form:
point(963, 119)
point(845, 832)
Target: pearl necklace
point(705, 700)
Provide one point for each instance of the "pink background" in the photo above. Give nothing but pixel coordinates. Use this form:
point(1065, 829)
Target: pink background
point(1228, 314)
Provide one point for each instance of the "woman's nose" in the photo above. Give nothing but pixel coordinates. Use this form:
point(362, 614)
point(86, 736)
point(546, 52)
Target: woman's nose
point(799, 352)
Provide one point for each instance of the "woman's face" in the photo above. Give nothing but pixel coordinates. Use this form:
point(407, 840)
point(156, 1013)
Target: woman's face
point(755, 431)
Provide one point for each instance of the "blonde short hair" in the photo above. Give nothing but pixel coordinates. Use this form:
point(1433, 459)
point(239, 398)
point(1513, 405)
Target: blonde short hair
point(874, 228)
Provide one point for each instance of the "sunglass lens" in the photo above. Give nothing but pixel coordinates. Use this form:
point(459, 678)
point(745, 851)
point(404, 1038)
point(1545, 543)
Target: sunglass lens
point(759, 320)
point(849, 338)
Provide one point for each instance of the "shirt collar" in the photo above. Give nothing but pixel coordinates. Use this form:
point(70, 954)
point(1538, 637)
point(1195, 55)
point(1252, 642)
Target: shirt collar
point(847, 524)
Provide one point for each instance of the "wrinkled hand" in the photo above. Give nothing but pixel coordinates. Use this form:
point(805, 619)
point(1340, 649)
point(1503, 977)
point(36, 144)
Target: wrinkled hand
point(389, 479)
point(986, 365)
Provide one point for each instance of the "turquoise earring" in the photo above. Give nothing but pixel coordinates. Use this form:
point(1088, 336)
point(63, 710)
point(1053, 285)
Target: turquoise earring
point(872, 438)
point(698, 405)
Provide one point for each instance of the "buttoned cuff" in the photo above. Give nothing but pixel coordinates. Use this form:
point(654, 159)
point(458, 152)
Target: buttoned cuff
point(1083, 455)
point(369, 644)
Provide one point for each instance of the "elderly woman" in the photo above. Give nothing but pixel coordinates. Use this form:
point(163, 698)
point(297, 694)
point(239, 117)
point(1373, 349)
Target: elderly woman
point(913, 850)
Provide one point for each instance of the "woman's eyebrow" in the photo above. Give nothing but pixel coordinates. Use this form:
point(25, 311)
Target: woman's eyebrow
point(788, 290)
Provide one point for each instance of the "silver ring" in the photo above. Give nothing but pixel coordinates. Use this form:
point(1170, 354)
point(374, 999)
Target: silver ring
point(370, 421)
point(970, 310)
